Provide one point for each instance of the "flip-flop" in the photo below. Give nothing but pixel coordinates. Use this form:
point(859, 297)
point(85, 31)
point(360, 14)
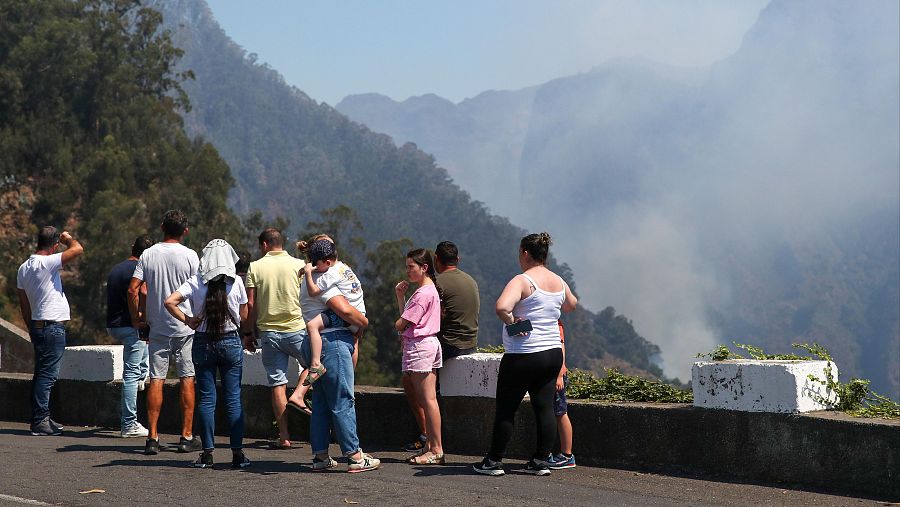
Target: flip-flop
point(421, 459)
point(300, 408)
point(278, 446)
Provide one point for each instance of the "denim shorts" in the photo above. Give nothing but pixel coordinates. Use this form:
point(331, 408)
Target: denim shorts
point(277, 348)
point(421, 355)
point(560, 406)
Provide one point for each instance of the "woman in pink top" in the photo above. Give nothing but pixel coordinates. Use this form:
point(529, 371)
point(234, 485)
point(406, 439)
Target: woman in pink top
point(418, 325)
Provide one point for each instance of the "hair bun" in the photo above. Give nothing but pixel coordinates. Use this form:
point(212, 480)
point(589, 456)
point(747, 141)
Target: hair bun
point(302, 246)
point(544, 239)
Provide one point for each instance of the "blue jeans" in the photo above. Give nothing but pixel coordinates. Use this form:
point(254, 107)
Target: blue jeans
point(333, 402)
point(136, 367)
point(49, 345)
point(226, 355)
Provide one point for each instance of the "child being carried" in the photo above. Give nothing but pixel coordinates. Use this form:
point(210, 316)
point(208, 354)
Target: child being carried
point(323, 272)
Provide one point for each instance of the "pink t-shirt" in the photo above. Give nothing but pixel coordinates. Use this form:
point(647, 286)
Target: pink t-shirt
point(424, 311)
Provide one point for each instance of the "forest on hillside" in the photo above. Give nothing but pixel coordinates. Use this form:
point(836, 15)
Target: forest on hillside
point(93, 140)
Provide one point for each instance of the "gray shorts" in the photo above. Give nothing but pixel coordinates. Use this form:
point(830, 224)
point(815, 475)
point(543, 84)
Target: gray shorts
point(162, 347)
point(276, 348)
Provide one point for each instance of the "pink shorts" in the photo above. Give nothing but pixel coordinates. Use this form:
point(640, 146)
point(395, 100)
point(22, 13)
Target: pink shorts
point(421, 355)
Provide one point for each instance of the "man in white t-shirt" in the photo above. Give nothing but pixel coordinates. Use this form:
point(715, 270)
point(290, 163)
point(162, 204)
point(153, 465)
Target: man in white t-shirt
point(45, 310)
point(163, 268)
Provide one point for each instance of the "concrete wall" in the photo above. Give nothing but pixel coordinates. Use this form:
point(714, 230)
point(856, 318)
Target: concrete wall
point(16, 352)
point(822, 450)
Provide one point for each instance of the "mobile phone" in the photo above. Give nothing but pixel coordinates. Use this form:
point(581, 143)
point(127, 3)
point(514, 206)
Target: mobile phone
point(523, 326)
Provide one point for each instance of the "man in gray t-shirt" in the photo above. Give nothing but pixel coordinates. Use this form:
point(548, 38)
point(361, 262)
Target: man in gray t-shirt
point(163, 268)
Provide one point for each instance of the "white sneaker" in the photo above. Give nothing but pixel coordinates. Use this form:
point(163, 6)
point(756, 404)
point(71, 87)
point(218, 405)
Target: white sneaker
point(135, 430)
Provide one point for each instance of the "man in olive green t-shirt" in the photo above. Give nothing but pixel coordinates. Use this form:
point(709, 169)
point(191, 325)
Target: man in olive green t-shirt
point(273, 298)
point(459, 322)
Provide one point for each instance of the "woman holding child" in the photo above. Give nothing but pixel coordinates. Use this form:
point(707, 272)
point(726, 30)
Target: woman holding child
point(333, 397)
point(533, 358)
point(418, 325)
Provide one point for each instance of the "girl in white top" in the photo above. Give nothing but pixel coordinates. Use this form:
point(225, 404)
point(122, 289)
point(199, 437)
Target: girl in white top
point(533, 359)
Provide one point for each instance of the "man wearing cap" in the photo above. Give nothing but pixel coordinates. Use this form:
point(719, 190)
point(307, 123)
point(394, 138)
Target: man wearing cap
point(45, 310)
point(273, 301)
point(163, 268)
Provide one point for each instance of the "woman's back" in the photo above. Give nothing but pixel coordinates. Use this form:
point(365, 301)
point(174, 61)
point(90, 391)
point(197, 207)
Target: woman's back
point(541, 305)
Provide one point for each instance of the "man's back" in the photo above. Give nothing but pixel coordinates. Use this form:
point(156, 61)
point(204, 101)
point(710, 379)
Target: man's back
point(459, 323)
point(117, 314)
point(39, 278)
point(276, 282)
point(164, 267)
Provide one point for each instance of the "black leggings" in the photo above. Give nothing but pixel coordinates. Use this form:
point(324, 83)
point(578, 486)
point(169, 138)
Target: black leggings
point(536, 374)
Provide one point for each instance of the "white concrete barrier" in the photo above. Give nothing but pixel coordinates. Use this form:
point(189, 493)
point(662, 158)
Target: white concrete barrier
point(254, 373)
point(761, 386)
point(471, 375)
point(101, 363)
point(104, 363)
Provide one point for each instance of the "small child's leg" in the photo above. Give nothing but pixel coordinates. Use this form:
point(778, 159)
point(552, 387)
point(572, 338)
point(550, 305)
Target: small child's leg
point(316, 370)
point(564, 426)
point(313, 329)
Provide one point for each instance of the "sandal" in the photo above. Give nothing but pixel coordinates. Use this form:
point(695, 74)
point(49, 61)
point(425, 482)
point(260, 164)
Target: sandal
point(314, 374)
point(300, 408)
point(430, 459)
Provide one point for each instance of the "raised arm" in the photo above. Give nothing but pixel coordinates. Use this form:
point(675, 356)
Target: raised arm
point(311, 288)
point(73, 247)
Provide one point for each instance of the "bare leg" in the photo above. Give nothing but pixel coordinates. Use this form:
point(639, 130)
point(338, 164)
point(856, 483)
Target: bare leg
point(417, 411)
point(564, 426)
point(424, 385)
point(279, 406)
point(154, 404)
point(355, 355)
point(313, 328)
point(299, 395)
point(187, 406)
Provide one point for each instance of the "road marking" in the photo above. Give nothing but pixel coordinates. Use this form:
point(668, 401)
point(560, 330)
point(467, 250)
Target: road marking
point(26, 501)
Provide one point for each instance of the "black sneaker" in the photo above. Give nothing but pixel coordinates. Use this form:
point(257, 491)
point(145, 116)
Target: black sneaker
point(239, 461)
point(537, 467)
point(192, 445)
point(151, 448)
point(416, 446)
point(204, 461)
point(45, 429)
point(489, 467)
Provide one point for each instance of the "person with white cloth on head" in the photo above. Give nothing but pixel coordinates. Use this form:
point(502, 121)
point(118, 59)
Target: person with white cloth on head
point(218, 305)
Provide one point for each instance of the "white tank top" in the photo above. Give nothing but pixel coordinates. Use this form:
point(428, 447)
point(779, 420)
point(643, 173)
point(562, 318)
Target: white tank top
point(542, 308)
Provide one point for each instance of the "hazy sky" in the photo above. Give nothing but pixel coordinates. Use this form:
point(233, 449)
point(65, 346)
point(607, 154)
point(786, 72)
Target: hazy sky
point(460, 48)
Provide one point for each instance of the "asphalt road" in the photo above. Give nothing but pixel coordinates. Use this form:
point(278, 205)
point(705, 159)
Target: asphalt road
point(55, 470)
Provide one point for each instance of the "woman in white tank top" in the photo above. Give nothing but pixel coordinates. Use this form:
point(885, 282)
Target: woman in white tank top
point(533, 359)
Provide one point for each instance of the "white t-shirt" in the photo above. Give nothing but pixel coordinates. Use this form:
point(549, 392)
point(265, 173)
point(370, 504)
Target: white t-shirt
point(194, 292)
point(313, 306)
point(164, 267)
point(39, 278)
point(341, 276)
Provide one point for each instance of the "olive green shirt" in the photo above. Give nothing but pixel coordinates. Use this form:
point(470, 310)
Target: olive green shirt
point(459, 321)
